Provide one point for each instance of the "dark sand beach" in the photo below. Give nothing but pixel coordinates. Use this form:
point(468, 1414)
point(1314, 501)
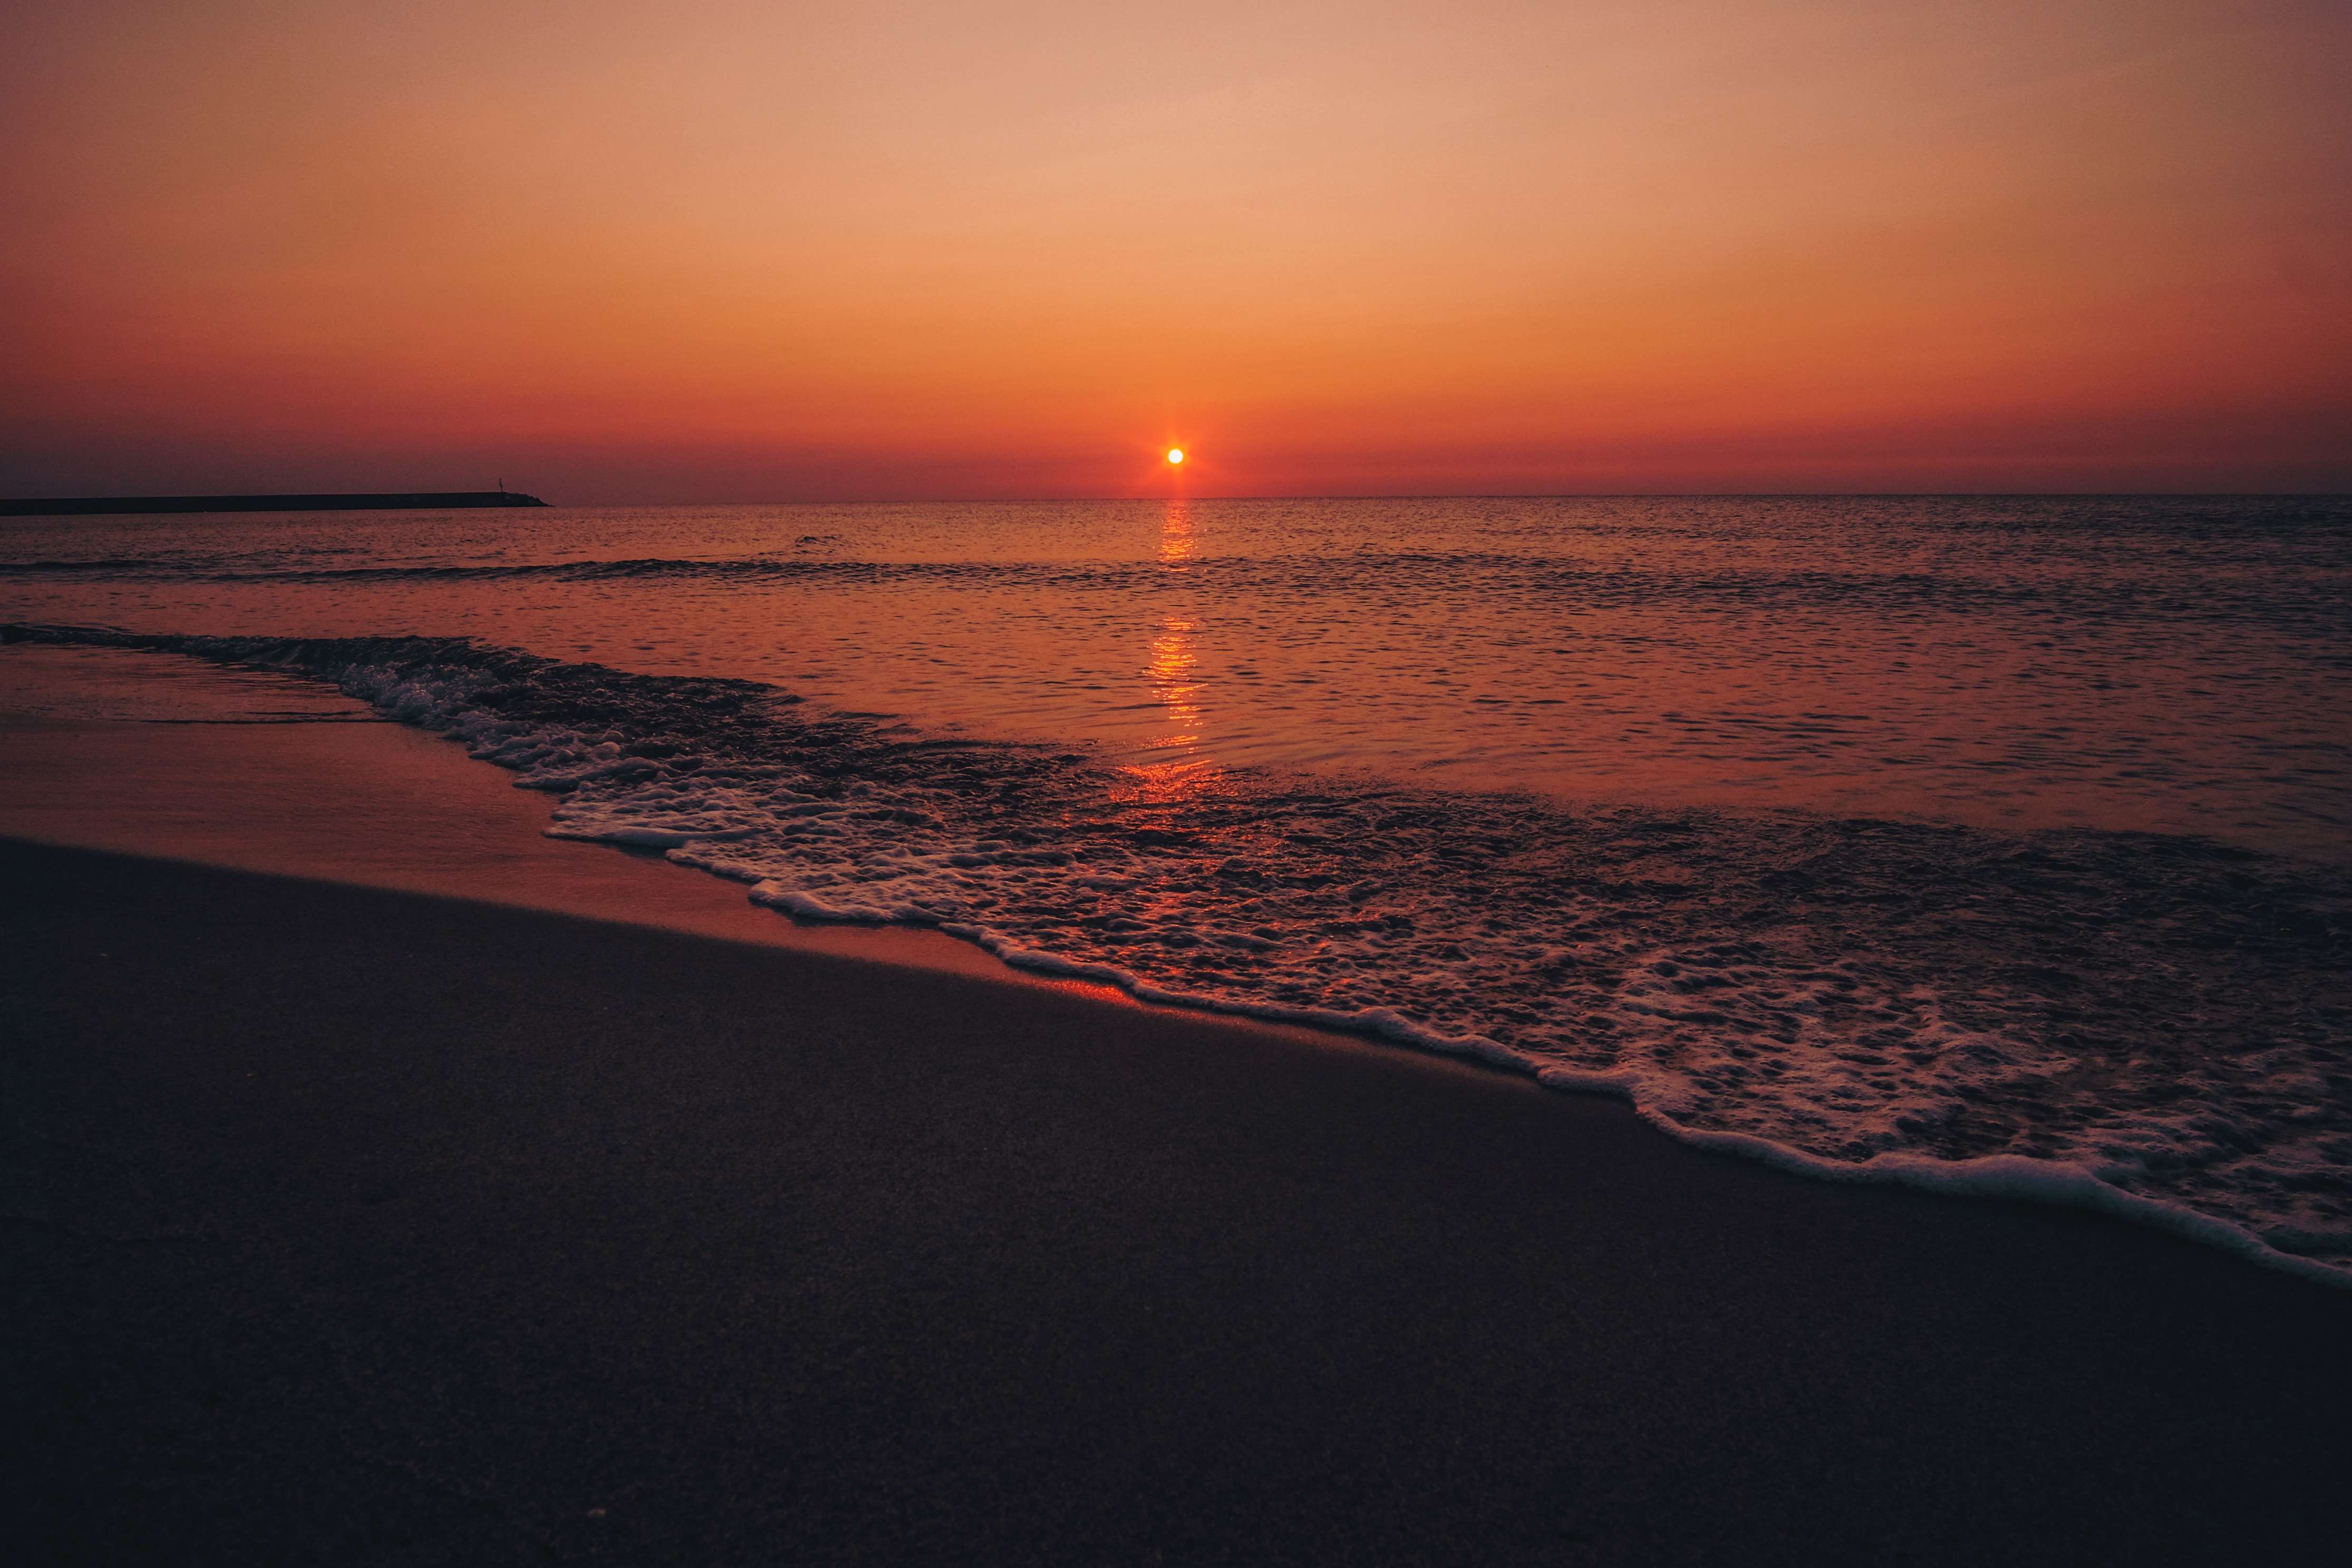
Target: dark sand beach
point(358, 1226)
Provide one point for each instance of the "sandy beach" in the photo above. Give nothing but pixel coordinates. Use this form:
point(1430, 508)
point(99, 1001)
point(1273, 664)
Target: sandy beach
point(359, 1226)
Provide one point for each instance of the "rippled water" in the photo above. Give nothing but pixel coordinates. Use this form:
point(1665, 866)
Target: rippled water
point(1992, 845)
point(2174, 664)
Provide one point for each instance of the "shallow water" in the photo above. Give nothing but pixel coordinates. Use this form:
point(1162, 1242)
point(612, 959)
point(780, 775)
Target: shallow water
point(2157, 664)
point(1850, 833)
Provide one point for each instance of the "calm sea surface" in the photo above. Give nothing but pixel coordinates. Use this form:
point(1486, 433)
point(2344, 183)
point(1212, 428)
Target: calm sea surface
point(1988, 841)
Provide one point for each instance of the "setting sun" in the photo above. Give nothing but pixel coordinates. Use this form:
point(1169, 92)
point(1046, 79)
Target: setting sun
point(1175, 454)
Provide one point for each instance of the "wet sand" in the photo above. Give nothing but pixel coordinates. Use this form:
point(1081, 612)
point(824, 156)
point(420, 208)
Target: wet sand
point(162, 756)
point(359, 1226)
point(353, 1222)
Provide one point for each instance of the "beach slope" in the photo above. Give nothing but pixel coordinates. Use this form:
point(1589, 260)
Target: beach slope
point(354, 1225)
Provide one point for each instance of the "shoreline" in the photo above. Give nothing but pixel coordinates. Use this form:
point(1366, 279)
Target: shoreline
point(387, 1227)
point(353, 796)
point(347, 795)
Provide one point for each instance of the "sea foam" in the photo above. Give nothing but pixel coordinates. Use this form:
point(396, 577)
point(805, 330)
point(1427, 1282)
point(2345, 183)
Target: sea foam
point(2148, 1025)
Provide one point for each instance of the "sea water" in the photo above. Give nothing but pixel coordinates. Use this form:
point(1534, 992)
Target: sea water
point(1995, 844)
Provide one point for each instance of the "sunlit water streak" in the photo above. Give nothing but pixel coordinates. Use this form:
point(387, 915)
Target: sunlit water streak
point(1996, 842)
point(2174, 666)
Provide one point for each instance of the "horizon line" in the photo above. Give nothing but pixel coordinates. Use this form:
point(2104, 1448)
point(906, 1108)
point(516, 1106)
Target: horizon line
point(1534, 495)
point(1435, 495)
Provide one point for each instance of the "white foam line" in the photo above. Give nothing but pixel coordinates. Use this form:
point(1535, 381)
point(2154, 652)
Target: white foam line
point(2015, 1178)
point(442, 703)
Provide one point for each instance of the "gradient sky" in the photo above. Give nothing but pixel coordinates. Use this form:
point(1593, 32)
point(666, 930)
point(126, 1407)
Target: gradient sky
point(730, 251)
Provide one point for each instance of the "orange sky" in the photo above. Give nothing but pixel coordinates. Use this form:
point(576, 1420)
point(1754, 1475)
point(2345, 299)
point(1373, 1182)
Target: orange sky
point(732, 251)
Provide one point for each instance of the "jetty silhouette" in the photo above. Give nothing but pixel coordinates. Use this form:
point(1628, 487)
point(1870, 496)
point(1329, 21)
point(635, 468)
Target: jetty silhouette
point(414, 500)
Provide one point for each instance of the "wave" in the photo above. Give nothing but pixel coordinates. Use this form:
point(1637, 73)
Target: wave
point(2312, 606)
point(2152, 1026)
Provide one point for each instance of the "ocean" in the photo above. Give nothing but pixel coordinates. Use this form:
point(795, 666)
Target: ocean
point(1991, 845)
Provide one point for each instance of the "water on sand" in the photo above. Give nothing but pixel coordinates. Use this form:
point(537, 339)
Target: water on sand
point(1990, 842)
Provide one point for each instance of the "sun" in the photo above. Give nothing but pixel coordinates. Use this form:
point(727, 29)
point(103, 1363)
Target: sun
point(1175, 454)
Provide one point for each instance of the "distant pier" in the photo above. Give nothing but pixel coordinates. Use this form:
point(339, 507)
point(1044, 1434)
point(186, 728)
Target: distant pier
point(420, 500)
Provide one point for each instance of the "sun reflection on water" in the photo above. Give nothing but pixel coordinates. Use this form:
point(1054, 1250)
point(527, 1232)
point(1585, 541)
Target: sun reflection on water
point(1172, 674)
point(1173, 683)
point(1176, 535)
